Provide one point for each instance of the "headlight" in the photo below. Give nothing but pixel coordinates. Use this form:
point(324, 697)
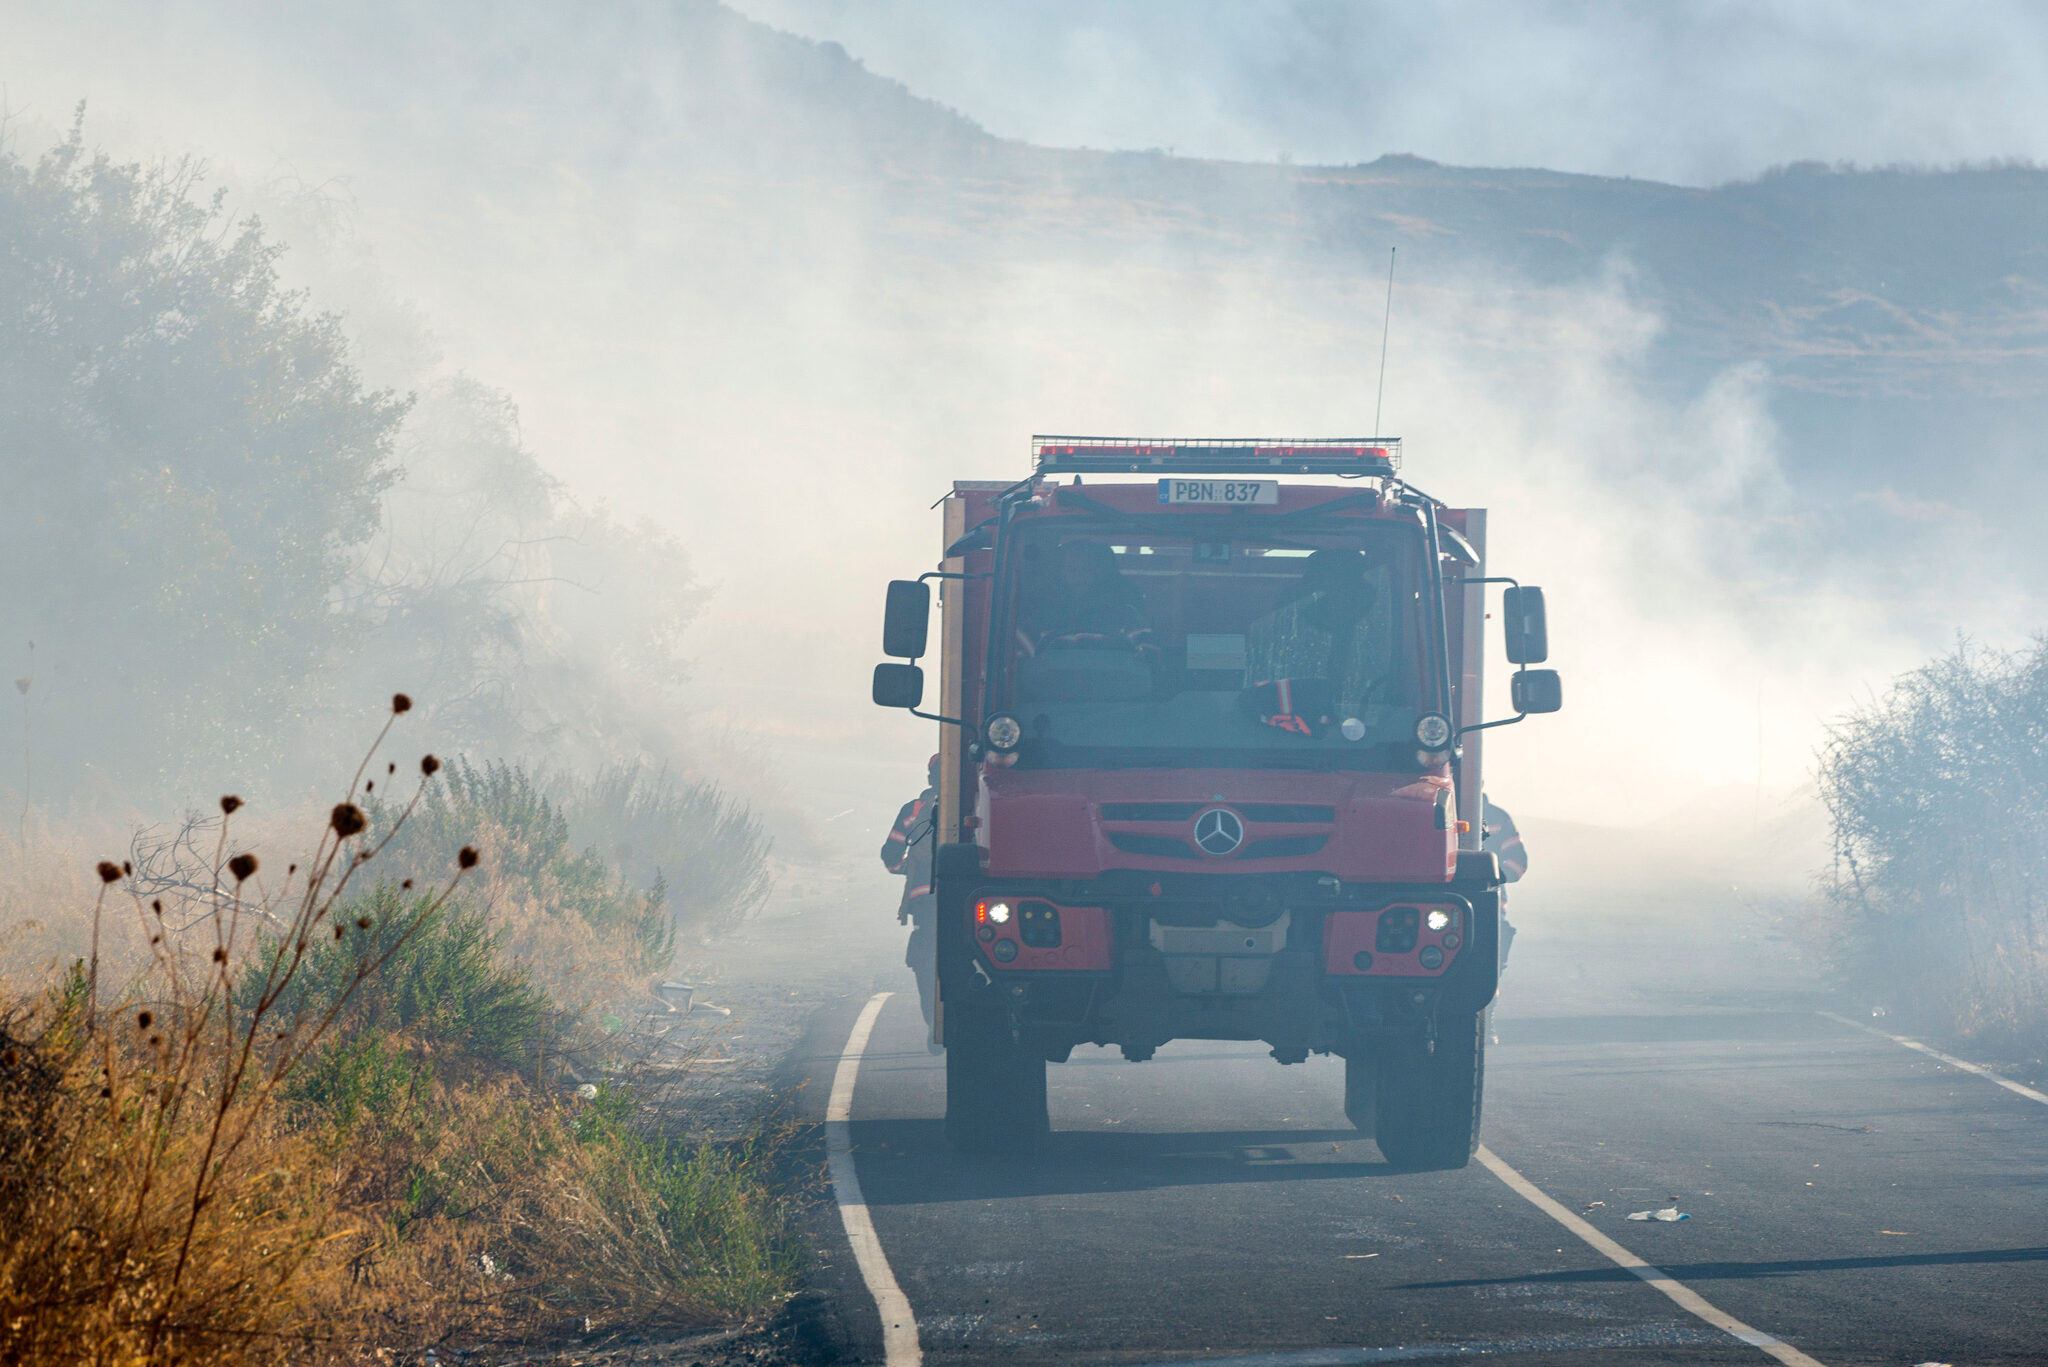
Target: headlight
point(999, 913)
point(1433, 731)
point(1003, 733)
point(1438, 918)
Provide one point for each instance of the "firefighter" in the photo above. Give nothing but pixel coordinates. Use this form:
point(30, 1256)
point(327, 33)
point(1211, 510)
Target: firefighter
point(1089, 604)
point(908, 851)
point(1500, 836)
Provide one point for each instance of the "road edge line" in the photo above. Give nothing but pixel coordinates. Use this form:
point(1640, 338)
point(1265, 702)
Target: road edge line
point(2019, 1088)
point(1686, 1298)
point(899, 1325)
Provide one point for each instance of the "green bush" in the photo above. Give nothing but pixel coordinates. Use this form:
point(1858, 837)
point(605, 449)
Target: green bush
point(444, 986)
point(528, 836)
point(365, 1076)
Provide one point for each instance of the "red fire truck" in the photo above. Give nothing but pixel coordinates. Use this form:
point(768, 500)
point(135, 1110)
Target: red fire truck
point(1210, 744)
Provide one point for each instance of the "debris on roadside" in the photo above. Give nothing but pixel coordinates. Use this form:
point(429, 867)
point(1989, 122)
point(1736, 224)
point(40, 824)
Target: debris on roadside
point(1668, 1215)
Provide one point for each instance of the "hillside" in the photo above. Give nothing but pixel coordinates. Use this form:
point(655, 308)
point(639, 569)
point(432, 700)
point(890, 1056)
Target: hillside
point(1925, 292)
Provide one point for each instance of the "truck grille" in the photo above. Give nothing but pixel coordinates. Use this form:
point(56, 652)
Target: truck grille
point(1170, 847)
point(1281, 812)
point(1158, 846)
point(1274, 812)
point(1150, 811)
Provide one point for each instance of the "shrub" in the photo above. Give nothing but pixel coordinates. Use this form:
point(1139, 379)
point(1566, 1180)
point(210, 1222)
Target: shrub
point(526, 835)
point(441, 983)
point(1938, 792)
point(707, 848)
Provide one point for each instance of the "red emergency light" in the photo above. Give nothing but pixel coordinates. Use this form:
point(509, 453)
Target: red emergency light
point(1348, 456)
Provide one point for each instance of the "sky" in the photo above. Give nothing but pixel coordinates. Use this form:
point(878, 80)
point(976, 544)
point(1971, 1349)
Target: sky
point(1693, 93)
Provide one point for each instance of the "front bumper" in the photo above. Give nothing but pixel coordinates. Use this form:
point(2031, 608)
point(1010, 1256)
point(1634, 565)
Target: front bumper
point(1304, 962)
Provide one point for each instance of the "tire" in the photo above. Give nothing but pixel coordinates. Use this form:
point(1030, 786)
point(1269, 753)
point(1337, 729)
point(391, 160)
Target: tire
point(995, 1089)
point(1361, 1089)
point(1429, 1102)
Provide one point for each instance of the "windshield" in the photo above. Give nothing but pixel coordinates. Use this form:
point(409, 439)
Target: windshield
point(1294, 646)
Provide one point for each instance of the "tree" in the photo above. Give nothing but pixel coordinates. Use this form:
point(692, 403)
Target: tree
point(189, 464)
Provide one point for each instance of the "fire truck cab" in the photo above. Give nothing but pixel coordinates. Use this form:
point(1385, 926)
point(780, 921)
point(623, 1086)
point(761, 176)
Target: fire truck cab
point(1210, 747)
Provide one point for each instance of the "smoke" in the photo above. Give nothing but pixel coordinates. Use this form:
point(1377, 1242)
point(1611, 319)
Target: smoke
point(780, 358)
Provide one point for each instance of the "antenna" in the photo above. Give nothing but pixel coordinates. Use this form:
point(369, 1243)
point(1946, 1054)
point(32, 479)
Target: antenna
point(1386, 322)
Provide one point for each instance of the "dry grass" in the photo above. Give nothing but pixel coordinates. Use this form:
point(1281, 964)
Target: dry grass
point(252, 1148)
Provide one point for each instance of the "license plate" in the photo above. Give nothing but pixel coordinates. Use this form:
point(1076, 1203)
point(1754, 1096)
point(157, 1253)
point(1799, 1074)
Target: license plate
point(1229, 492)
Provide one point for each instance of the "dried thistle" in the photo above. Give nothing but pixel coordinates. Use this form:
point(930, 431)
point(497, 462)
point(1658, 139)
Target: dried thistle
point(242, 866)
point(144, 1019)
point(230, 804)
point(400, 703)
point(347, 819)
point(466, 857)
point(429, 765)
point(109, 871)
point(362, 923)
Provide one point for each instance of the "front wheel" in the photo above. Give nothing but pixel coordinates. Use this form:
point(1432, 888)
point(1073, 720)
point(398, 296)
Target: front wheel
point(1429, 1100)
point(995, 1088)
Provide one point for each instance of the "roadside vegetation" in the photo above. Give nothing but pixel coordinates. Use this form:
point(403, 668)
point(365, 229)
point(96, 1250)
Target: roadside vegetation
point(1938, 791)
point(333, 1108)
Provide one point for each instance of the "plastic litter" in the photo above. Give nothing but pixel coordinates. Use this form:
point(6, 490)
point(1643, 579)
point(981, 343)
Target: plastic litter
point(588, 1091)
point(1668, 1215)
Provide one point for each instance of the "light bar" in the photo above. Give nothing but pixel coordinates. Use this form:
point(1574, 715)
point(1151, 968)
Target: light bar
point(1352, 456)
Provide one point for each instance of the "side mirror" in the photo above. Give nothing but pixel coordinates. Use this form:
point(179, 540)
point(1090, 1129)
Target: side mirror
point(898, 685)
point(1532, 690)
point(906, 620)
point(1528, 630)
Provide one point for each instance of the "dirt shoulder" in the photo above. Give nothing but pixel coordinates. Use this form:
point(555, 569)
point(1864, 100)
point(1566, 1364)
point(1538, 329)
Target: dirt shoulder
point(731, 1064)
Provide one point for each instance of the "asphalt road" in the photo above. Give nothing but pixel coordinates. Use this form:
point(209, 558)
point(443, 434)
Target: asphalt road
point(1858, 1201)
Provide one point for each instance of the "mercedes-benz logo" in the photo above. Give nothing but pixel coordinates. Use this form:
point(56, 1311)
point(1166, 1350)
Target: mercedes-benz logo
point(1219, 831)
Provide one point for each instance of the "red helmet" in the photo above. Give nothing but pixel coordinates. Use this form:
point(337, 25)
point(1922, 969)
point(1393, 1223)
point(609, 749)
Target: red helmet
point(931, 770)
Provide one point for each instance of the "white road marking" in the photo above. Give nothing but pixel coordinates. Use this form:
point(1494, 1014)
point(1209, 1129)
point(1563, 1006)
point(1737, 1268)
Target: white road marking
point(1950, 1059)
point(1686, 1298)
point(899, 1326)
